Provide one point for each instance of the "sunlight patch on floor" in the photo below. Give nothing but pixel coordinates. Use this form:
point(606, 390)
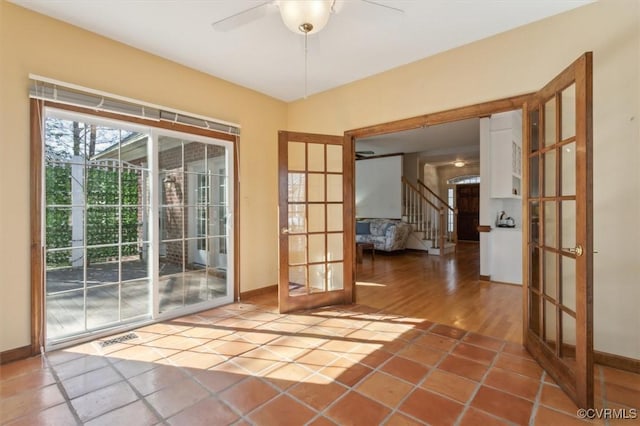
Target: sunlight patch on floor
point(367, 284)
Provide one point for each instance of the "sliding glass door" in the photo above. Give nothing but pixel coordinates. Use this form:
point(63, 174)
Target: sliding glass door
point(194, 208)
point(137, 224)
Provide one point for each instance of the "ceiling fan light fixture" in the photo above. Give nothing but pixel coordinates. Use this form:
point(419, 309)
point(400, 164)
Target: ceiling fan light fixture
point(305, 16)
point(459, 163)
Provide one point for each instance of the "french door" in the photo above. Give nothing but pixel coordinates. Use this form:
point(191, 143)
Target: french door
point(558, 308)
point(315, 221)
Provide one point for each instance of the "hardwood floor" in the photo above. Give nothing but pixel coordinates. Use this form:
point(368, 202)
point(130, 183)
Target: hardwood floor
point(443, 289)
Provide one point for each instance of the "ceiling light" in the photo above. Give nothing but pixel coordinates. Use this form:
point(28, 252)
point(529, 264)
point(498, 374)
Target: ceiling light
point(459, 163)
point(305, 16)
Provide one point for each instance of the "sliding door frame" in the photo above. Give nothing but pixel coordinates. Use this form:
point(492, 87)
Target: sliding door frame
point(37, 249)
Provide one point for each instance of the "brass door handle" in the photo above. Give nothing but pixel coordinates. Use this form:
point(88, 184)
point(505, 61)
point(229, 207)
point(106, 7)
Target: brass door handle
point(284, 230)
point(577, 250)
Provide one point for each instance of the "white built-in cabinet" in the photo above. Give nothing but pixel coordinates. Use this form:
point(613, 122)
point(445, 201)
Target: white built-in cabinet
point(501, 172)
point(506, 155)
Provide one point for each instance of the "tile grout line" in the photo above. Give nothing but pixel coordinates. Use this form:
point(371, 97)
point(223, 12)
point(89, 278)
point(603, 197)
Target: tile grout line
point(605, 402)
point(62, 390)
point(140, 396)
point(467, 404)
point(537, 401)
point(322, 412)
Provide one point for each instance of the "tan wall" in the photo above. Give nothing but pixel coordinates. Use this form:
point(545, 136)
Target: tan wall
point(32, 43)
point(517, 62)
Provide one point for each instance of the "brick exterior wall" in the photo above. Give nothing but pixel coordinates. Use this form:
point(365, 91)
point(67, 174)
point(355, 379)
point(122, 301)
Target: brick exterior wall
point(174, 197)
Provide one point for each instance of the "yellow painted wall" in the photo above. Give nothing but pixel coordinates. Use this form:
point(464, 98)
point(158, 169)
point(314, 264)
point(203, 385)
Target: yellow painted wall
point(32, 43)
point(517, 62)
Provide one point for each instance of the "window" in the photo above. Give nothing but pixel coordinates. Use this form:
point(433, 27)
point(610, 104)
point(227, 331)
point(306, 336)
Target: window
point(464, 179)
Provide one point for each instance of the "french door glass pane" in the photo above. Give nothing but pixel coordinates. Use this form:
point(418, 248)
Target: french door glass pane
point(316, 218)
point(534, 137)
point(317, 278)
point(334, 217)
point(297, 187)
point(334, 188)
point(568, 169)
point(316, 157)
point(534, 312)
point(335, 276)
point(335, 247)
point(550, 274)
point(534, 269)
point(297, 218)
point(534, 175)
point(297, 280)
point(568, 224)
point(297, 156)
point(316, 187)
point(550, 233)
point(550, 122)
point(549, 177)
point(568, 282)
point(550, 321)
point(334, 158)
point(568, 338)
point(568, 100)
point(297, 249)
point(316, 248)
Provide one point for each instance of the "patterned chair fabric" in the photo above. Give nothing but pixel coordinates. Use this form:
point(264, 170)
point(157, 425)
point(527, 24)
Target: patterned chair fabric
point(386, 234)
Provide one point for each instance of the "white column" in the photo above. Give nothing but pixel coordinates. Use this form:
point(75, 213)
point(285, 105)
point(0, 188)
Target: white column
point(77, 212)
point(485, 192)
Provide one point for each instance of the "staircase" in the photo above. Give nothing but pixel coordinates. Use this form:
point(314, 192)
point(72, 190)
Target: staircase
point(427, 213)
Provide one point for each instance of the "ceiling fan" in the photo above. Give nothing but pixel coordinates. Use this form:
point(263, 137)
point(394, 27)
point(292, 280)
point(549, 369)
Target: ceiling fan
point(363, 154)
point(300, 16)
point(303, 17)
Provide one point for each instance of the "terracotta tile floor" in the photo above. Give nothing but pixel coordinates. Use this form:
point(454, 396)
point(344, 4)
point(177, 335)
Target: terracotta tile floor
point(245, 364)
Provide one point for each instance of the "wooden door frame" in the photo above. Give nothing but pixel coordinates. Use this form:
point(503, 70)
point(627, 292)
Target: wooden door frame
point(480, 110)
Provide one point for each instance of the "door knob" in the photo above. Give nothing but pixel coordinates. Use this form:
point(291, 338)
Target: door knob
point(577, 250)
point(284, 230)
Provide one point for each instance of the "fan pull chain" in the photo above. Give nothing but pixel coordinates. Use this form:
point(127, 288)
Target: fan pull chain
point(306, 34)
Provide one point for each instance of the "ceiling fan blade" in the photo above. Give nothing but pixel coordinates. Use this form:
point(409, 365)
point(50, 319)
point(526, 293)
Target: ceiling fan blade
point(242, 18)
point(375, 3)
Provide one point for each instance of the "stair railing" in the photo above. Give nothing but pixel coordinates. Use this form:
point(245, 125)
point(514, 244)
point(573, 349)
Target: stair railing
point(441, 203)
point(426, 216)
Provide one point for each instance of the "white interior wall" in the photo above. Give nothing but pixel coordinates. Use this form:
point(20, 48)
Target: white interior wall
point(379, 187)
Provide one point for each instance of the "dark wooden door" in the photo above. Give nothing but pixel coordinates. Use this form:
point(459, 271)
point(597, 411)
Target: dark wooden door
point(316, 221)
point(468, 205)
point(558, 263)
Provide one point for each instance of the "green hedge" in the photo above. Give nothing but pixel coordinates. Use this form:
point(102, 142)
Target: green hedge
point(102, 222)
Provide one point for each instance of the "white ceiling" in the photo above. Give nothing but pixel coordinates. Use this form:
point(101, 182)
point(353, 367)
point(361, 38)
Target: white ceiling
point(436, 145)
point(361, 40)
